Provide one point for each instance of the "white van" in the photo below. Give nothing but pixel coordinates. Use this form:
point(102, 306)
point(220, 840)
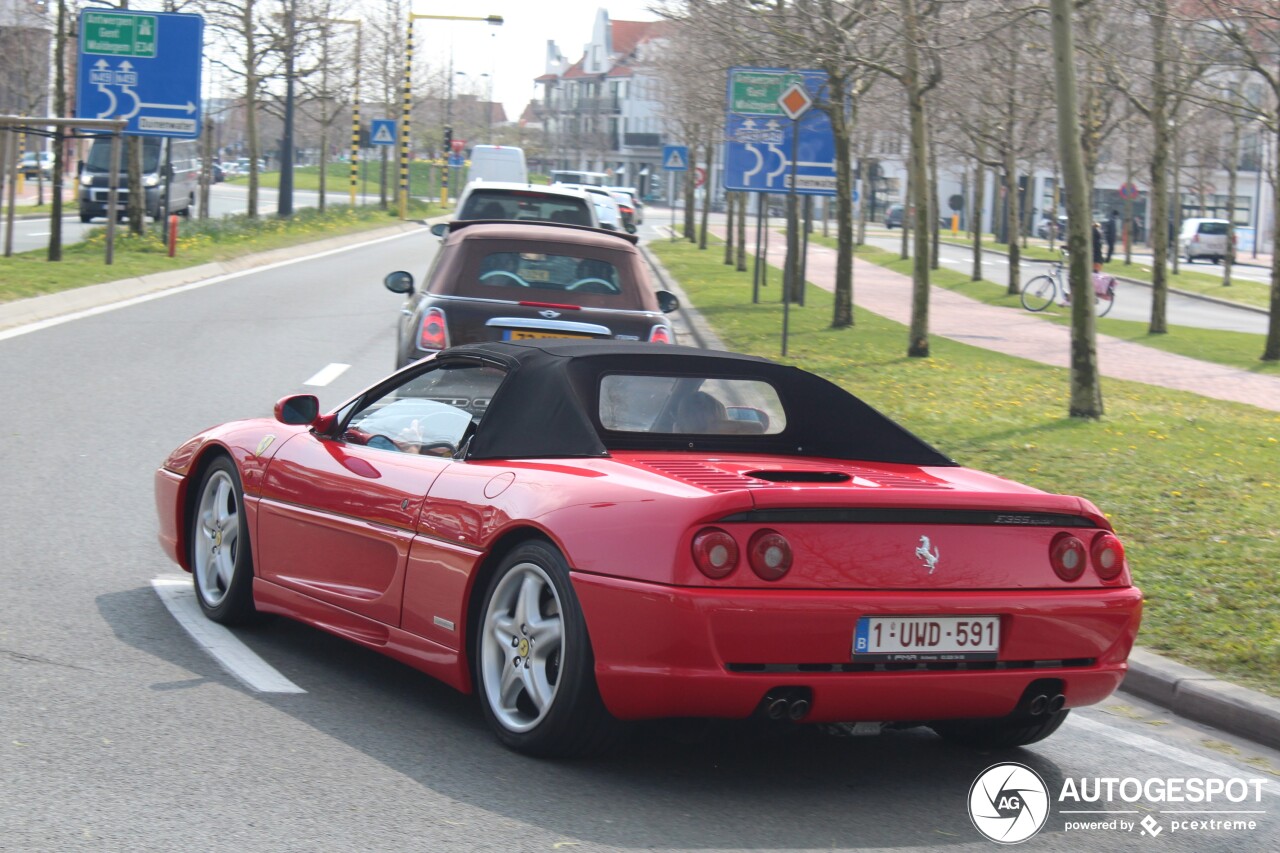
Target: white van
point(1204, 238)
point(498, 163)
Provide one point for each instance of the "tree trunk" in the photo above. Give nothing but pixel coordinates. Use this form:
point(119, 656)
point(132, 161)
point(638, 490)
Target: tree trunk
point(1158, 221)
point(935, 209)
point(979, 205)
point(1271, 352)
point(918, 340)
point(1086, 390)
point(1011, 221)
point(1233, 176)
point(841, 124)
point(707, 188)
point(742, 231)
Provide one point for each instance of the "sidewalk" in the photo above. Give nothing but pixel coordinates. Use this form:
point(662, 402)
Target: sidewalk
point(962, 319)
point(1181, 689)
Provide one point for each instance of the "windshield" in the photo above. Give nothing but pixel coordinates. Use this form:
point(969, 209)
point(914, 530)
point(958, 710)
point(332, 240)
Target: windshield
point(99, 159)
point(525, 204)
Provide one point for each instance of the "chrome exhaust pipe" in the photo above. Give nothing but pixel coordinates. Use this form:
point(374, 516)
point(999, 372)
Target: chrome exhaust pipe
point(776, 709)
point(1038, 704)
point(798, 710)
point(1056, 703)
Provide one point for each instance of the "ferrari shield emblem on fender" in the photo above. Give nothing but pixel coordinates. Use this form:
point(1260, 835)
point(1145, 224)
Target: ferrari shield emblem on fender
point(267, 441)
point(929, 558)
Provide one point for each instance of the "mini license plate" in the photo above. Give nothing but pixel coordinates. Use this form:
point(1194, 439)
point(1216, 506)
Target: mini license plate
point(926, 638)
point(525, 335)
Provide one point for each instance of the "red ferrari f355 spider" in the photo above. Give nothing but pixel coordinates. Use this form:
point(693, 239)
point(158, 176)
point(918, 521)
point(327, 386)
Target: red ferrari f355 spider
point(587, 532)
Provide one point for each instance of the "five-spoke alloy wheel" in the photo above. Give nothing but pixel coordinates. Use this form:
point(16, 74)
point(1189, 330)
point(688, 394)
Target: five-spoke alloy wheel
point(220, 556)
point(533, 663)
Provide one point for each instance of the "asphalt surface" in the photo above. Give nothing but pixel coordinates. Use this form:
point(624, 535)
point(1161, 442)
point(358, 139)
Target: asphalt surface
point(121, 734)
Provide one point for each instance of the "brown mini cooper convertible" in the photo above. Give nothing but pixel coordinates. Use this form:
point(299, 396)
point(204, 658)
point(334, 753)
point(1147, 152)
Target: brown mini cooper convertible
point(508, 281)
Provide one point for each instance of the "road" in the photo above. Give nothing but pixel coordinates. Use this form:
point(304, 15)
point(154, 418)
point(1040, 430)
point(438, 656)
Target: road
point(121, 733)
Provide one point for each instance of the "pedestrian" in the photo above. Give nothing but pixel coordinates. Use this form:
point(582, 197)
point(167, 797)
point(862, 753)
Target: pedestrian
point(1097, 247)
point(1110, 230)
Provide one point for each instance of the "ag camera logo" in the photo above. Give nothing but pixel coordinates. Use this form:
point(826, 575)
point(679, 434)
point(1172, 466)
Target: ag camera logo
point(1008, 803)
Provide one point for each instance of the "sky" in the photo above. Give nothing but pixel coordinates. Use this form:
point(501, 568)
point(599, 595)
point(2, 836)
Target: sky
point(514, 53)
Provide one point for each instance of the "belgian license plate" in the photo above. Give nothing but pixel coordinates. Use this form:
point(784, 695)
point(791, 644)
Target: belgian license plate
point(525, 335)
point(926, 638)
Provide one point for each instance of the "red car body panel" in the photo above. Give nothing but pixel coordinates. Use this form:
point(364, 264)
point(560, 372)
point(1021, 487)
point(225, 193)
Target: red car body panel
point(390, 550)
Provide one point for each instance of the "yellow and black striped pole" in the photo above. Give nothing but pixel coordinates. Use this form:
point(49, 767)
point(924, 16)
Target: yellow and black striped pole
point(355, 122)
point(404, 122)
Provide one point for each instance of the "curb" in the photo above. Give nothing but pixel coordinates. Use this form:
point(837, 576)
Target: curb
point(1204, 698)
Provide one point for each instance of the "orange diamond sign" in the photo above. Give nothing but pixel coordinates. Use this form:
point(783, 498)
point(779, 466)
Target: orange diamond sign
point(795, 101)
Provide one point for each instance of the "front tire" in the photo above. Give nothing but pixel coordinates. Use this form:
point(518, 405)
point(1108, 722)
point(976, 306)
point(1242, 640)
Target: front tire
point(1037, 293)
point(534, 669)
point(221, 559)
point(1002, 733)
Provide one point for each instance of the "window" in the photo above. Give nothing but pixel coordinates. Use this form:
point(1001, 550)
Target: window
point(690, 405)
point(432, 413)
point(530, 275)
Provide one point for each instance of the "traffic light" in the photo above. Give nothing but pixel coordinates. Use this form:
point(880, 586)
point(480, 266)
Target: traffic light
point(448, 139)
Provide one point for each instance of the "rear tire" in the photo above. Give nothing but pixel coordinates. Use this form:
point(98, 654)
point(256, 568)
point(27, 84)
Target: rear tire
point(1038, 292)
point(1001, 733)
point(533, 666)
point(1104, 304)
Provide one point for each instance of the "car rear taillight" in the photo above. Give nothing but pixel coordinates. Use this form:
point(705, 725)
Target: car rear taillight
point(433, 334)
point(1107, 555)
point(715, 552)
point(628, 211)
point(1068, 556)
point(659, 335)
point(769, 554)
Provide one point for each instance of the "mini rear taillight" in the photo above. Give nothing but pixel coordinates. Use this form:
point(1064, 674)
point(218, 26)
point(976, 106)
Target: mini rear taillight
point(715, 552)
point(1107, 555)
point(659, 335)
point(433, 334)
point(769, 554)
point(1068, 556)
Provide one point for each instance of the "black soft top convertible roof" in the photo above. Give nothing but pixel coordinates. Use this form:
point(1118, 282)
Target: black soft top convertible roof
point(548, 405)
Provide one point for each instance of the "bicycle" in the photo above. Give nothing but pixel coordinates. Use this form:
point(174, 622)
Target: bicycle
point(1041, 291)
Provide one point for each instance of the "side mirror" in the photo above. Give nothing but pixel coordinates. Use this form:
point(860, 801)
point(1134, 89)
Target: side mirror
point(79, 167)
point(668, 301)
point(297, 410)
point(440, 229)
point(399, 282)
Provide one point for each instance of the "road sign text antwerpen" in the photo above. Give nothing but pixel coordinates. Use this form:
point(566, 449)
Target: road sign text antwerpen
point(143, 67)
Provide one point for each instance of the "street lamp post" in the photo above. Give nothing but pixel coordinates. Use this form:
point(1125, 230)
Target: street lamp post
point(495, 20)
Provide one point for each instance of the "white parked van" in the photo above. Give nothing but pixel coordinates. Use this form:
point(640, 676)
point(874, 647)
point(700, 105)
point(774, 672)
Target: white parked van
point(1204, 238)
point(573, 176)
point(498, 163)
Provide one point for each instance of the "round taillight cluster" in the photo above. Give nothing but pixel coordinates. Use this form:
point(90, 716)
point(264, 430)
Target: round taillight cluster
point(1107, 555)
point(1069, 556)
point(715, 553)
point(769, 554)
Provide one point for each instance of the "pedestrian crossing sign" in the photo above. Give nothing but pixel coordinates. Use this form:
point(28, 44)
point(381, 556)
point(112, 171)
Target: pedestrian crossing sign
point(382, 131)
point(675, 158)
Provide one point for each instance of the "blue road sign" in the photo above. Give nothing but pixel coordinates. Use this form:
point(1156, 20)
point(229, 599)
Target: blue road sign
point(143, 67)
point(382, 131)
point(675, 158)
point(758, 134)
point(456, 161)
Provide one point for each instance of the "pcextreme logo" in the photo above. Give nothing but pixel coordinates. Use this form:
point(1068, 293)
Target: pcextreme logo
point(1008, 803)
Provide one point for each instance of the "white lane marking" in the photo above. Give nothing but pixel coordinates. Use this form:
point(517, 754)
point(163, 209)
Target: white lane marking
point(234, 656)
point(329, 373)
point(40, 325)
point(1155, 747)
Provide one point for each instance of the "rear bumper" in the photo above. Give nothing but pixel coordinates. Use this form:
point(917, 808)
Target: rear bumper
point(665, 651)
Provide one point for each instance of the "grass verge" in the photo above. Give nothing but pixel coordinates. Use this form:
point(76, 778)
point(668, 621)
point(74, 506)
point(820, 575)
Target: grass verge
point(1192, 485)
point(199, 242)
